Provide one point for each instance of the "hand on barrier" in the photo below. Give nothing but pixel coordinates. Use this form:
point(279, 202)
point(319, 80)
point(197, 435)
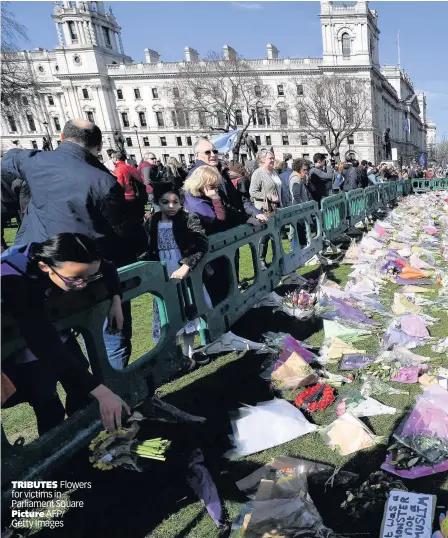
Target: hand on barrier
point(115, 316)
point(274, 198)
point(262, 217)
point(111, 407)
point(181, 273)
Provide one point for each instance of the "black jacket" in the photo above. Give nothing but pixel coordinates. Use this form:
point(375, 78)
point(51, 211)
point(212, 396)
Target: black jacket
point(188, 233)
point(363, 180)
point(352, 181)
point(71, 191)
point(319, 183)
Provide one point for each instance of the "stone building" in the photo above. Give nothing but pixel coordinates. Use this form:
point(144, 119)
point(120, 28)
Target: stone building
point(89, 76)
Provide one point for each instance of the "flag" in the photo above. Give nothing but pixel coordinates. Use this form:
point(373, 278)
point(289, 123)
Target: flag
point(406, 125)
point(422, 160)
point(224, 142)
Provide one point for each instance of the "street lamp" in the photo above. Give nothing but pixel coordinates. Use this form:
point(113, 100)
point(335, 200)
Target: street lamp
point(48, 133)
point(138, 141)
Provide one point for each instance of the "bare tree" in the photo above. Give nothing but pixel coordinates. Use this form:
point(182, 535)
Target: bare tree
point(441, 151)
point(331, 108)
point(16, 73)
point(220, 94)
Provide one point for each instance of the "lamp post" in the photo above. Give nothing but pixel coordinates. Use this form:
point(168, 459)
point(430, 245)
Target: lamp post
point(138, 141)
point(48, 134)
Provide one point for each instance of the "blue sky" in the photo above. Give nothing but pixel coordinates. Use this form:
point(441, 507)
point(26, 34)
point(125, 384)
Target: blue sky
point(293, 27)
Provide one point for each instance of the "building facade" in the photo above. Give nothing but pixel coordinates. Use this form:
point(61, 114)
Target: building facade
point(89, 76)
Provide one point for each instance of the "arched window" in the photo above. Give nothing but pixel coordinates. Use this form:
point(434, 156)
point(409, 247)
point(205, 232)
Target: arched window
point(346, 45)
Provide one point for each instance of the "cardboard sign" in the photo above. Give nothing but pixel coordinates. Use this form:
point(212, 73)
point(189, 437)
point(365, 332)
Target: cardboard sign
point(394, 154)
point(408, 515)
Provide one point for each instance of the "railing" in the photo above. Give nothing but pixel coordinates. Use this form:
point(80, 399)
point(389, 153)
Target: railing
point(181, 301)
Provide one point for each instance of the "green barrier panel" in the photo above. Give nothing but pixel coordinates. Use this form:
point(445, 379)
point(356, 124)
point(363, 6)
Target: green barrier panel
point(393, 190)
point(400, 189)
point(334, 216)
point(383, 195)
point(421, 185)
point(407, 187)
point(372, 197)
point(356, 204)
point(308, 217)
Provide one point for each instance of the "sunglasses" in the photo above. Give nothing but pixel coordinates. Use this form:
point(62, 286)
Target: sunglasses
point(210, 151)
point(153, 158)
point(77, 282)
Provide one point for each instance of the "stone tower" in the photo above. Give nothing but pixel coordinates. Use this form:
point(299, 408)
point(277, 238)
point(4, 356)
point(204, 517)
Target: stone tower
point(349, 34)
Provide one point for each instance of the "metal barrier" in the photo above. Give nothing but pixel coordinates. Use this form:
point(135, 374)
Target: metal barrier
point(421, 185)
point(178, 302)
point(407, 187)
point(356, 202)
point(400, 189)
point(393, 190)
point(300, 220)
point(334, 216)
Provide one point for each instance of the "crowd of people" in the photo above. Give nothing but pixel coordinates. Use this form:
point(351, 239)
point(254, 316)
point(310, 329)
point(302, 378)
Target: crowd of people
point(80, 220)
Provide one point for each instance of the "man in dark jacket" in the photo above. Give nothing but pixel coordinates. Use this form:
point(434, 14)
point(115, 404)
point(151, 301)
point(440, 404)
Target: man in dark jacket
point(71, 191)
point(320, 178)
point(350, 175)
point(361, 170)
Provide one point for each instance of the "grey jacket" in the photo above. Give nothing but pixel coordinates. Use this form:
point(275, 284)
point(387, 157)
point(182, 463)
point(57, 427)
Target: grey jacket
point(297, 186)
point(263, 187)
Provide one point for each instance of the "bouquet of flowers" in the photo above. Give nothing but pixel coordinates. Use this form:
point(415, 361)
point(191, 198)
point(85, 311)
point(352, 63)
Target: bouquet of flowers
point(298, 304)
point(315, 398)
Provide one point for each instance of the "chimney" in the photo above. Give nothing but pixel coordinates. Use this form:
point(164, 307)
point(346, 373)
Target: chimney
point(151, 56)
point(191, 55)
point(272, 51)
point(229, 53)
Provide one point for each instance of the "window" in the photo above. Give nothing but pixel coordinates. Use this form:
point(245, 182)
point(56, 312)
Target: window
point(191, 157)
point(72, 31)
point(34, 144)
point(305, 155)
point(299, 89)
point(361, 137)
point(179, 140)
point(238, 117)
point(165, 157)
point(132, 157)
point(180, 118)
point(302, 117)
point(221, 118)
point(322, 140)
point(304, 140)
point(176, 94)
point(350, 139)
point(189, 141)
point(31, 124)
point(182, 158)
point(283, 117)
point(346, 49)
point(50, 100)
point(254, 117)
point(201, 117)
point(119, 94)
point(57, 125)
point(107, 37)
point(268, 140)
point(129, 142)
point(137, 93)
point(163, 141)
point(25, 101)
point(155, 93)
point(349, 115)
point(268, 117)
point(280, 90)
point(90, 116)
point(125, 119)
point(258, 140)
point(261, 117)
point(159, 117)
point(322, 117)
point(77, 60)
point(257, 91)
point(142, 118)
point(146, 141)
point(12, 124)
point(285, 140)
point(85, 93)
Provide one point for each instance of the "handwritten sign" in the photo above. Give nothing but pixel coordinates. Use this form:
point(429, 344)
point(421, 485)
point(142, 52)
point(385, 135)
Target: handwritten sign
point(408, 515)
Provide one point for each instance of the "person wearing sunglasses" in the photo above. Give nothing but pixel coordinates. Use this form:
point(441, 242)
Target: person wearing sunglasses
point(149, 172)
point(31, 274)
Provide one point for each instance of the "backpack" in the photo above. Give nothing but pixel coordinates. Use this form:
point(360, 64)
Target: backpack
point(139, 189)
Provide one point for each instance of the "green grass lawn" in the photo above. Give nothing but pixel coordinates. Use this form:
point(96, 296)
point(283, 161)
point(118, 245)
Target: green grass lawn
point(159, 506)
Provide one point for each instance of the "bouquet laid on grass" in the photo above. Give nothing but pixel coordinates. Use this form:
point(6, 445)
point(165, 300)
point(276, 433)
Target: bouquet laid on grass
point(299, 304)
point(315, 398)
point(120, 448)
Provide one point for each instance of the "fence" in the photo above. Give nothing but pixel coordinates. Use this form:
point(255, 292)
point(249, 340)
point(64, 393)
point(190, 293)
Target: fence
point(180, 301)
